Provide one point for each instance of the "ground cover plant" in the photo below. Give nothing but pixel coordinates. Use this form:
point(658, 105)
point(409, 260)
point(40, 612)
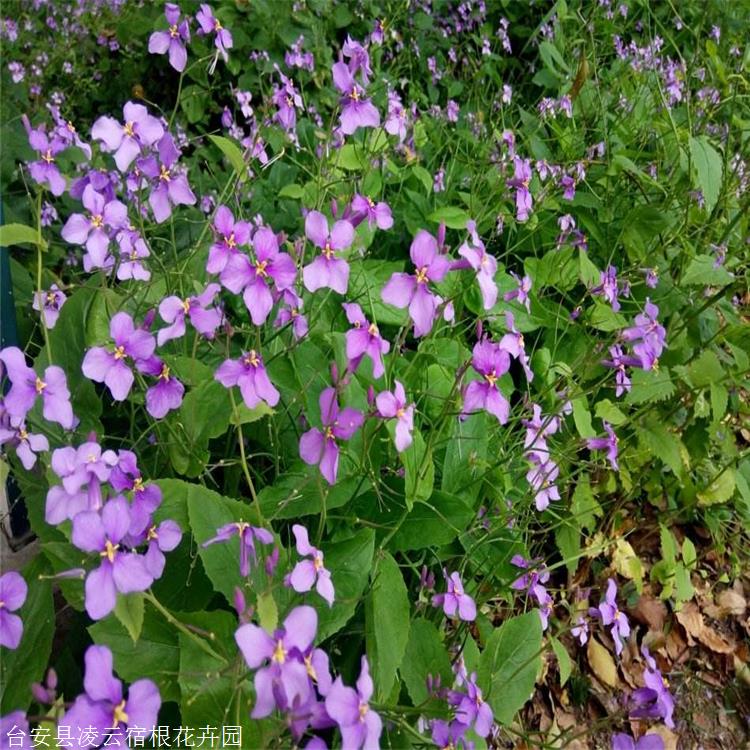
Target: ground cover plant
point(375, 373)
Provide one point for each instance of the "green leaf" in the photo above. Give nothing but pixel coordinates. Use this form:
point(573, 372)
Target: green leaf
point(464, 457)
point(350, 563)
point(707, 169)
point(233, 153)
point(387, 624)
point(129, 611)
point(27, 663)
point(423, 176)
point(452, 216)
point(604, 318)
point(156, 654)
point(582, 417)
point(650, 385)
point(568, 540)
point(433, 522)
point(552, 58)
point(425, 654)
point(587, 272)
point(609, 412)
point(663, 444)
point(351, 157)
point(689, 555)
point(563, 660)
point(19, 234)
point(720, 490)
point(705, 370)
point(509, 664)
point(292, 191)
point(193, 102)
point(246, 416)
point(719, 401)
point(419, 470)
point(268, 612)
point(584, 506)
point(702, 272)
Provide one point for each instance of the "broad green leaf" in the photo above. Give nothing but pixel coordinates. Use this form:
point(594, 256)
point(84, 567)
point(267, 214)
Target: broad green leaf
point(582, 417)
point(720, 490)
point(689, 555)
point(464, 456)
point(193, 102)
point(20, 234)
point(351, 157)
point(650, 385)
point(564, 661)
point(300, 493)
point(425, 654)
point(452, 216)
point(423, 176)
point(604, 318)
point(129, 611)
point(433, 522)
point(27, 663)
point(233, 153)
point(609, 412)
point(662, 444)
point(268, 612)
point(509, 664)
point(350, 563)
point(387, 624)
point(246, 416)
point(585, 507)
point(702, 271)
point(707, 169)
point(719, 401)
point(419, 469)
point(292, 191)
point(568, 540)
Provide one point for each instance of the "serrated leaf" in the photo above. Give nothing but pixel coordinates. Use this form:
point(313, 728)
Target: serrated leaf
point(129, 611)
point(662, 444)
point(720, 490)
point(719, 401)
point(20, 234)
point(585, 507)
point(650, 385)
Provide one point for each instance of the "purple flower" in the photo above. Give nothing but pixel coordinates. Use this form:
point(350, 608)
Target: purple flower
point(126, 477)
point(127, 141)
point(27, 444)
point(455, 599)
point(13, 591)
point(49, 303)
point(249, 373)
point(269, 269)
point(233, 235)
point(205, 320)
point(621, 741)
point(318, 447)
point(210, 24)
point(541, 476)
point(520, 181)
point(396, 120)
point(162, 538)
point(173, 40)
point(14, 730)
point(121, 571)
point(483, 263)
point(291, 312)
point(580, 630)
point(652, 277)
point(132, 248)
point(359, 58)
point(327, 270)
point(471, 708)
point(288, 101)
point(392, 405)
point(92, 230)
point(608, 444)
point(103, 711)
point(168, 391)
point(376, 213)
point(307, 573)
point(26, 386)
point(111, 367)
point(608, 287)
point(247, 534)
point(521, 292)
point(169, 186)
point(654, 701)
point(45, 170)
point(491, 362)
point(618, 363)
point(537, 430)
point(282, 680)
point(360, 726)
point(412, 291)
point(610, 615)
point(364, 339)
point(356, 111)
point(649, 335)
point(448, 736)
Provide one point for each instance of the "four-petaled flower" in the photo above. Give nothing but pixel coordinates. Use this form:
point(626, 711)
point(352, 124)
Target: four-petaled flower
point(356, 110)
point(204, 319)
point(127, 141)
point(13, 591)
point(327, 270)
point(491, 362)
point(455, 599)
point(364, 339)
point(173, 39)
point(608, 444)
point(247, 534)
point(249, 373)
point(392, 405)
point(210, 24)
point(309, 572)
point(610, 615)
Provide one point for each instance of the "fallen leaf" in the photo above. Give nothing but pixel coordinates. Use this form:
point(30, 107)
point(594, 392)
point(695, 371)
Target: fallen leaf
point(650, 611)
point(692, 620)
point(602, 663)
point(669, 737)
point(626, 562)
point(731, 603)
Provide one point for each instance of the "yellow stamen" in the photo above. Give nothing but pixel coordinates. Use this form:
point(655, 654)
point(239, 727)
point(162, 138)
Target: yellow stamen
point(97, 221)
point(109, 551)
point(164, 174)
point(252, 359)
point(310, 669)
point(128, 129)
point(119, 352)
point(23, 435)
point(119, 716)
point(279, 654)
point(152, 533)
point(491, 378)
point(363, 709)
point(372, 330)
point(260, 268)
point(164, 374)
point(186, 305)
point(422, 275)
point(231, 242)
point(173, 31)
point(40, 385)
point(48, 156)
point(138, 485)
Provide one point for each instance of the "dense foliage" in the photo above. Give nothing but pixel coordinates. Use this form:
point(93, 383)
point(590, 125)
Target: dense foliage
point(374, 363)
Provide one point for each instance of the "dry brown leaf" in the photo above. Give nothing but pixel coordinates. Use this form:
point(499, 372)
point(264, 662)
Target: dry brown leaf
point(692, 620)
point(650, 611)
point(731, 603)
point(602, 663)
point(669, 737)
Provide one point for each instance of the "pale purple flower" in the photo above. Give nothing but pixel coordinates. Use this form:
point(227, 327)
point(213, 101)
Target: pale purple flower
point(608, 287)
point(112, 367)
point(173, 40)
point(608, 444)
point(256, 277)
point(611, 616)
point(248, 535)
point(455, 599)
point(451, 111)
point(649, 335)
point(364, 339)
point(166, 394)
point(282, 679)
point(412, 291)
point(14, 730)
point(654, 700)
point(438, 182)
point(13, 591)
point(520, 182)
point(537, 430)
point(141, 130)
point(318, 447)
point(249, 373)
point(483, 263)
point(356, 110)
point(162, 538)
point(618, 362)
point(231, 234)
point(203, 318)
point(310, 572)
point(327, 270)
point(94, 231)
point(359, 724)
point(103, 712)
point(27, 444)
point(27, 386)
point(580, 630)
point(169, 187)
point(542, 476)
point(291, 312)
point(210, 24)
point(49, 302)
point(376, 213)
point(521, 292)
point(621, 741)
point(392, 405)
point(491, 362)
point(397, 118)
point(119, 571)
point(652, 277)
point(132, 249)
point(45, 171)
point(287, 100)
point(471, 708)
point(359, 59)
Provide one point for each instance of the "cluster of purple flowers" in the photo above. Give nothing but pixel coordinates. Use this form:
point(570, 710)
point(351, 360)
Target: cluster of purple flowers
point(357, 111)
point(533, 583)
